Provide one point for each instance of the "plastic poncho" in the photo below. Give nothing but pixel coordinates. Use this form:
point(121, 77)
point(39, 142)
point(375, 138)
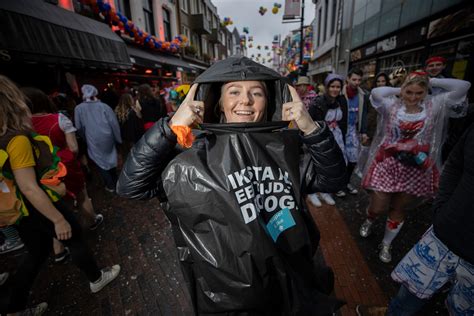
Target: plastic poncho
point(405, 154)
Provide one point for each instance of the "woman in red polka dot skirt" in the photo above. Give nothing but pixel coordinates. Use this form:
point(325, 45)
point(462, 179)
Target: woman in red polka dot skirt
point(405, 160)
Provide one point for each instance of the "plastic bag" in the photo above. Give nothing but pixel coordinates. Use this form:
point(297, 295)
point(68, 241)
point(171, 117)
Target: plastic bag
point(243, 232)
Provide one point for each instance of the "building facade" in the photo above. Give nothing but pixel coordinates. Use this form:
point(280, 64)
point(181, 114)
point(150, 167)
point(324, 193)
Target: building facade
point(325, 38)
point(388, 34)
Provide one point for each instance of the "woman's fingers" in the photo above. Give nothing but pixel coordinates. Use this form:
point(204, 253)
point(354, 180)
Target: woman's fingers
point(191, 93)
point(294, 94)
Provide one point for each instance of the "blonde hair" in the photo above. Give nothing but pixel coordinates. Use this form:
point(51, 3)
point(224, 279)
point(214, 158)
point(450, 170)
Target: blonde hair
point(124, 105)
point(419, 78)
point(14, 113)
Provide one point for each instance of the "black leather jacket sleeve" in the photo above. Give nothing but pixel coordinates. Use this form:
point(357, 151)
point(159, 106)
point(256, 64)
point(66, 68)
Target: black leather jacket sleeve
point(324, 167)
point(141, 174)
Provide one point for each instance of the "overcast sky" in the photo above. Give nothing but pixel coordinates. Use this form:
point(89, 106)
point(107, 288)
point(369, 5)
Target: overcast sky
point(244, 13)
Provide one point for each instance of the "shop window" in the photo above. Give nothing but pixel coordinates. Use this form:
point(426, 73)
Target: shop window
point(439, 5)
point(148, 14)
point(389, 21)
point(411, 61)
point(373, 7)
point(359, 17)
point(371, 28)
point(388, 5)
point(167, 24)
point(357, 35)
point(185, 31)
point(359, 4)
point(414, 10)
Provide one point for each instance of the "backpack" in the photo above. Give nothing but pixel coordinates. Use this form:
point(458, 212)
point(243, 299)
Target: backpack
point(49, 172)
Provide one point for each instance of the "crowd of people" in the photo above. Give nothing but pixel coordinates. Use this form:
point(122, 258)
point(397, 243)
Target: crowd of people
point(399, 138)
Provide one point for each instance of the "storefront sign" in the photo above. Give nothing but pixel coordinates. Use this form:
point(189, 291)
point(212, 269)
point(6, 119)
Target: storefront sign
point(387, 44)
point(370, 50)
point(292, 9)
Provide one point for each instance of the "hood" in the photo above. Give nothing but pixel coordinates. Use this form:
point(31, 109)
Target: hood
point(240, 69)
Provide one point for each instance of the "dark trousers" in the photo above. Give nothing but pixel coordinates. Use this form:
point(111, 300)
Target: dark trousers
point(109, 177)
point(349, 170)
point(37, 233)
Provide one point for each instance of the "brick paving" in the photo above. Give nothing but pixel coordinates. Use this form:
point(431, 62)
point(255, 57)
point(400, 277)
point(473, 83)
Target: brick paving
point(354, 282)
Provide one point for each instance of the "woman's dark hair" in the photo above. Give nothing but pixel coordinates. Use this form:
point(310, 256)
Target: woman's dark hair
point(145, 92)
point(383, 74)
point(355, 71)
point(38, 101)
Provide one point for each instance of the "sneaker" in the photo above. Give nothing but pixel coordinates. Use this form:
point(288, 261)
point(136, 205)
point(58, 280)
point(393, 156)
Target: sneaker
point(340, 193)
point(313, 198)
point(366, 228)
point(62, 256)
point(3, 278)
point(110, 190)
point(364, 310)
point(108, 275)
point(327, 198)
point(99, 219)
point(37, 310)
point(11, 245)
point(385, 254)
point(352, 189)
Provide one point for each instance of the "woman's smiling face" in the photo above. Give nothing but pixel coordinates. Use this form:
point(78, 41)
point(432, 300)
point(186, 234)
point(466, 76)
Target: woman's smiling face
point(243, 101)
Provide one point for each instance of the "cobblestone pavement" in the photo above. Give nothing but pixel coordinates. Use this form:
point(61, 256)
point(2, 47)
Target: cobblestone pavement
point(136, 235)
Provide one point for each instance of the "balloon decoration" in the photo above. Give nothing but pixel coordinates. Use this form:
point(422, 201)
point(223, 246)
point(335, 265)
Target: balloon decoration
point(127, 27)
point(246, 30)
point(250, 38)
point(227, 21)
point(266, 47)
point(243, 40)
point(253, 56)
point(250, 45)
point(262, 11)
point(258, 47)
point(259, 55)
point(276, 7)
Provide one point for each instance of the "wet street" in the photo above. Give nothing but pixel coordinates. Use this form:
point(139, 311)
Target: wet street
point(137, 235)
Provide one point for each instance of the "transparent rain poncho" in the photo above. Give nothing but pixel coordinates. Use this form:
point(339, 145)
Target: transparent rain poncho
point(405, 153)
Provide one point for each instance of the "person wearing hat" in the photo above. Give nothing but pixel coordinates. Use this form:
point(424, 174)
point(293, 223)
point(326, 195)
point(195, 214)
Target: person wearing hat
point(306, 95)
point(331, 107)
point(97, 123)
point(435, 66)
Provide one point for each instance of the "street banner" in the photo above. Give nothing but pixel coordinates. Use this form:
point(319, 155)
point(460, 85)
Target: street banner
point(292, 9)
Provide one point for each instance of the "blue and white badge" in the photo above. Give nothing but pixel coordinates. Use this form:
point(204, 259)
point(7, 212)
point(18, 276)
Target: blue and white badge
point(280, 222)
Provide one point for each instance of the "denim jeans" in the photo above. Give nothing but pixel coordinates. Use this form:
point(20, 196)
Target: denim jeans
point(405, 303)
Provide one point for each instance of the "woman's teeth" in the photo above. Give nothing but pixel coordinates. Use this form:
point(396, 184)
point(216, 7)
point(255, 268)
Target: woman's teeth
point(243, 112)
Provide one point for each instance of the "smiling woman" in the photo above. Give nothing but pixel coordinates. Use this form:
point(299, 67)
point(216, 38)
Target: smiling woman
point(243, 101)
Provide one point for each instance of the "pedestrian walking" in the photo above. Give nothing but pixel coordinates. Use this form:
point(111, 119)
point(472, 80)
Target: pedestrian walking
point(331, 108)
point(443, 255)
point(129, 116)
point(405, 161)
point(151, 108)
point(97, 123)
point(38, 219)
point(357, 104)
point(306, 95)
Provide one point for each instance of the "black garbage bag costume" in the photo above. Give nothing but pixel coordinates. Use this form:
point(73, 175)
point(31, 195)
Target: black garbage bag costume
point(244, 235)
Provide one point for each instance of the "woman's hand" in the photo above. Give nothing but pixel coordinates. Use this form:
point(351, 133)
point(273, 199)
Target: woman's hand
point(190, 112)
point(296, 111)
point(62, 229)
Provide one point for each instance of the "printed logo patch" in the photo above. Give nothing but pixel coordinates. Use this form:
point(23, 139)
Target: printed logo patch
point(280, 222)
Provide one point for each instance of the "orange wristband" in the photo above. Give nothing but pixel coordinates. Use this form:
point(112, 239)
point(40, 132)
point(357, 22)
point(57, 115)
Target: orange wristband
point(184, 134)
